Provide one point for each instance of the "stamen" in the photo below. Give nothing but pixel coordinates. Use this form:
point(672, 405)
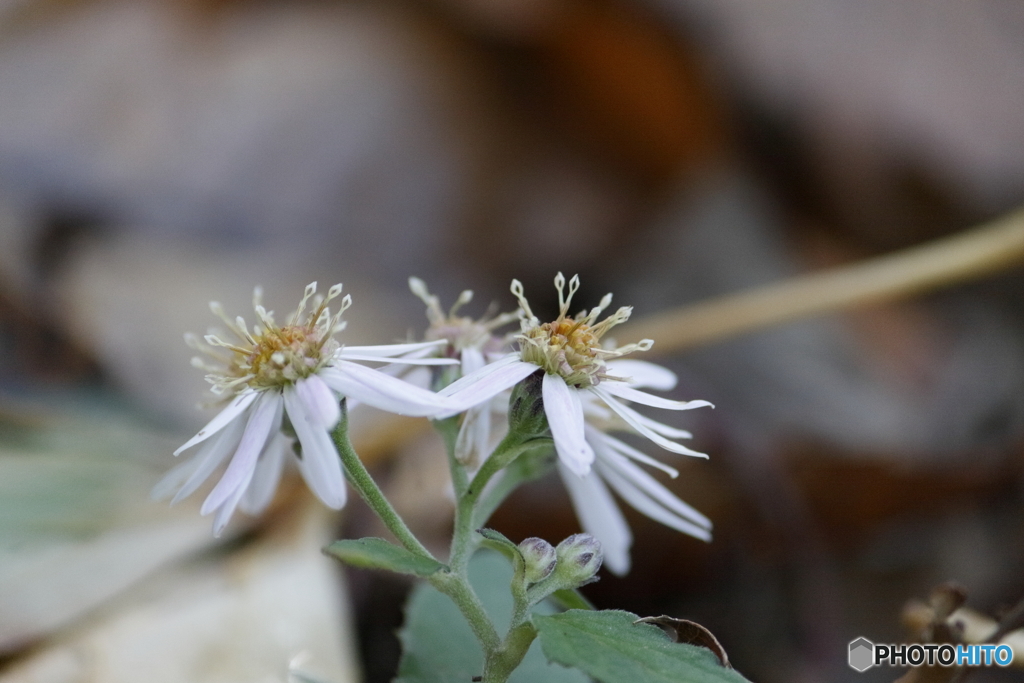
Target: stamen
point(464, 298)
point(517, 292)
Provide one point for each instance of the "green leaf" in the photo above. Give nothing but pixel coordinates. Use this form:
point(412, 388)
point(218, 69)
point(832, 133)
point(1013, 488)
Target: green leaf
point(613, 648)
point(439, 647)
point(495, 540)
point(570, 598)
point(376, 553)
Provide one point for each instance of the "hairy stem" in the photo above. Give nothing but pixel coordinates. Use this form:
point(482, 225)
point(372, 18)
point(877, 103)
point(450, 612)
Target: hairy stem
point(370, 492)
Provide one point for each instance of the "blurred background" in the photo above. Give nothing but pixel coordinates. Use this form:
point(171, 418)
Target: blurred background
point(157, 154)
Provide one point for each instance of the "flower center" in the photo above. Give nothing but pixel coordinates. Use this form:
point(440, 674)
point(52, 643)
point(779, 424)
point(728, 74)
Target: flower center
point(571, 347)
point(270, 355)
point(283, 355)
point(564, 347)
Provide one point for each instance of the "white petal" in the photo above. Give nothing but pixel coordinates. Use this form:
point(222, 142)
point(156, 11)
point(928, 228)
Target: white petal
point(640, 373)
point(267, 475)
point(384, 391)
point(227, 509)
point(472, 360)
point(321, 403)
point(402, 361)
point(661, 428)
point(600, 517)
point(320, 464)
point(174, 478)
point(264, 413)
point(211, 455)
point(652, 498)
point(388, 350)
point(633, 419)
point(223, 418)
point(602, 443)
point(474, 435)
point(564, 411)
point(630, 394)
point(487, 382)
point(654, 489)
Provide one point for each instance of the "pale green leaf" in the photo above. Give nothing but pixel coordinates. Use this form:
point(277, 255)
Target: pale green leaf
point(613, 648)
point(376, 553)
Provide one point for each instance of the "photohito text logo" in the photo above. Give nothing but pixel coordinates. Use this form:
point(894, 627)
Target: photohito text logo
point(863, 654)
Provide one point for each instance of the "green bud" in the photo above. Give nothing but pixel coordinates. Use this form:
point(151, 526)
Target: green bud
point(579, 558)
point(526, 407)
point(539, 558)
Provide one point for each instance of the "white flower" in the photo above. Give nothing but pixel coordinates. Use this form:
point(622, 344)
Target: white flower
point(286, 381)
point(585, 391)
point(474, 344)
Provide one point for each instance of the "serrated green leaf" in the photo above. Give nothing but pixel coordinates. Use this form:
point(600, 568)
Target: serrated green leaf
point(439, 647)
point(613, 648)
point(376, 553)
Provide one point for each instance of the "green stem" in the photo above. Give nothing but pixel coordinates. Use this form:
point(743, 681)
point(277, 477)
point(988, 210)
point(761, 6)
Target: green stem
point(463, 539)
point(449, 430)
point(457, 587)
point(513, 477)
point(370, 492)
point(503, 661)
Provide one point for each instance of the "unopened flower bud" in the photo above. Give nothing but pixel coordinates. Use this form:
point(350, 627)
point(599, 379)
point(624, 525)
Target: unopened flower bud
point(526, 407)
point(579, 558)
point(539, 559)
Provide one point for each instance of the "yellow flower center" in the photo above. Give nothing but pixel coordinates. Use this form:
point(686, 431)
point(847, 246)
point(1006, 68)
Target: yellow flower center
point(271, 355)
point(571, 347)
point(283, 355)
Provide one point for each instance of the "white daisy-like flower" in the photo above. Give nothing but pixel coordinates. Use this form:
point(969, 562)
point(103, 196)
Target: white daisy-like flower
point(287, 381)
point(585, 390)
point(474, 344)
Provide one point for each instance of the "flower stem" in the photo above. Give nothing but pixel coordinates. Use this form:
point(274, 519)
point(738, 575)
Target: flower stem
point(503, 661)
point(449, 431)
point(370, 492)
point(463, 541)
point(456, 586)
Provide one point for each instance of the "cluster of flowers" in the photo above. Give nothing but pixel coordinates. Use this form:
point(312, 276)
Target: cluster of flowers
point(284, 383)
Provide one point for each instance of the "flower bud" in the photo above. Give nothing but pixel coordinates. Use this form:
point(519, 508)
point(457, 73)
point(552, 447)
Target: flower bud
point(579, 558)
point(539, 559)
point(526, 407)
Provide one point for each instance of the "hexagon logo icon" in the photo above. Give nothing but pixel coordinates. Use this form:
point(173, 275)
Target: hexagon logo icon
point(862, 654)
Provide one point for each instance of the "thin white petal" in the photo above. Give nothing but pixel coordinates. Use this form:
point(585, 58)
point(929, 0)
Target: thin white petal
point(630, 394)
point(174, 478)
point(388, 350)
point(487, 382)
point(267, 475)
point(654, 489)
point(264, 413)
point(644, 502)
point(472, 360)
point(640, 373)
point(321, 403)
point(661, 428)
point(401, 361)
point(474, 435)
point(384, 391)
point(227, 509)
point(223, 418)
point(564, 411)
point(212, 454)
point(600, 517)
point(319, 464)
point(632, 418)
point(602, 443)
